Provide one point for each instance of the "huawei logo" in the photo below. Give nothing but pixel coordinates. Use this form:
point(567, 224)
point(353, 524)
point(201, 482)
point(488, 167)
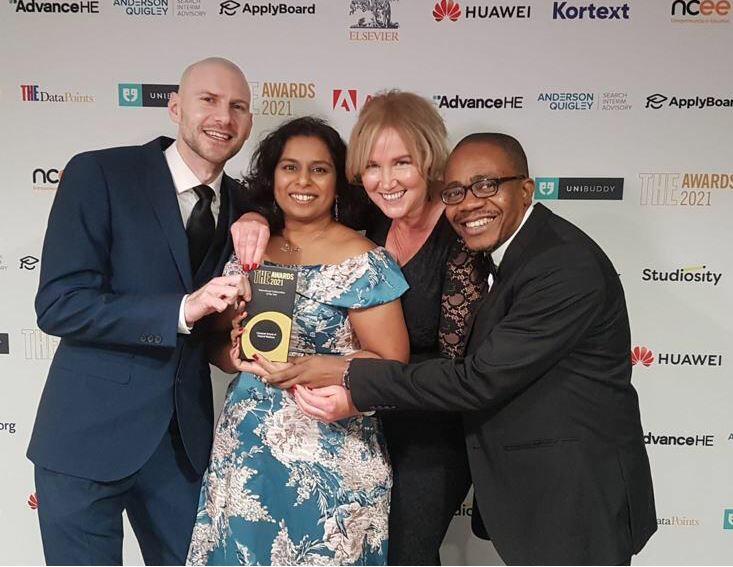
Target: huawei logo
point(642, 355)
point(446, 9)
point(33, 501)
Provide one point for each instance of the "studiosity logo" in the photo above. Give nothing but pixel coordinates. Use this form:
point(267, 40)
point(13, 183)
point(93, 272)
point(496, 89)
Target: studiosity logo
point(579, 188)
point(590, 11)
point(693, 275)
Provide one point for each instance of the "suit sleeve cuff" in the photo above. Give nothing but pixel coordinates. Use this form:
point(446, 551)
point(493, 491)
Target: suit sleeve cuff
point(183, 328)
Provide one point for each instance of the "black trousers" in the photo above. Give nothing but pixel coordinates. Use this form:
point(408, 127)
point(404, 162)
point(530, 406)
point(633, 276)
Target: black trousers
point(431, 480)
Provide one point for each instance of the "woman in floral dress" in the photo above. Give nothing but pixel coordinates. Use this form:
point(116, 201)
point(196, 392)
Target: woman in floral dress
point(282, 488)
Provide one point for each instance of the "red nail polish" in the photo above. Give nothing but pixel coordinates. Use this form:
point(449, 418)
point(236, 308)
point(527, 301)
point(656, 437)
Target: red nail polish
point(246, 268)
point(255, 266)
point(255, 357)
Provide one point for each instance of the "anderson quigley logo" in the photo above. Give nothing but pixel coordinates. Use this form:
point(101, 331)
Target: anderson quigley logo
point(579, 188)
point(232, 8)
point(692, 189)
point(143, 7)
point(646, 357)
point(458, 102)
point(694, 275)
point(590, 11)
point(34, 93)
point(658, 101)
point(55, 7)
point(583, 101)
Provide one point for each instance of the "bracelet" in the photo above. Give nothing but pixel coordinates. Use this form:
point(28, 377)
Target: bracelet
point(346, 378)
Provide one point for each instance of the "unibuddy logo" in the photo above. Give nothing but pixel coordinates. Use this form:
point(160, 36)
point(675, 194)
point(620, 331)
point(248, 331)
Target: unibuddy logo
point(148, 95)
point(579, 188)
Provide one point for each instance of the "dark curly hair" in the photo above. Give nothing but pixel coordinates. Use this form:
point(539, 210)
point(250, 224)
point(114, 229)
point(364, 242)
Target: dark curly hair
point(259, 183)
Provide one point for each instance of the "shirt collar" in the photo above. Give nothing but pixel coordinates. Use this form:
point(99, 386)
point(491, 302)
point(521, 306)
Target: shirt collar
point(498, 255)
point(183, 178)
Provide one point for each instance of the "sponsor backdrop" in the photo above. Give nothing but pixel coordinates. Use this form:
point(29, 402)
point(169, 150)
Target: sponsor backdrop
point(625, 110)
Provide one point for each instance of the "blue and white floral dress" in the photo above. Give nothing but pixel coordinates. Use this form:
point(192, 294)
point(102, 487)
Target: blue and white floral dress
point(285, 489)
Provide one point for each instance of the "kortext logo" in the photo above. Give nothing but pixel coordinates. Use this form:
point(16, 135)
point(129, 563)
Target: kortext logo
point(579, 188)
point(563, 11)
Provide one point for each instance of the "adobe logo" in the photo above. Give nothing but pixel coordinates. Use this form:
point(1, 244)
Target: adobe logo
point(33, 501)
point(344, 99)
point(642, 355)
point(446, 9)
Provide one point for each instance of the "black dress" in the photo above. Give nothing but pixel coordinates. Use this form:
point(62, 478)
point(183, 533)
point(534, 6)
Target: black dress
point(427, 449)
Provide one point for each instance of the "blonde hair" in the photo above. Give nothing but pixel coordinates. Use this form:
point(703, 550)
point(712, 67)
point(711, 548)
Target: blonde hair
point(416, 121)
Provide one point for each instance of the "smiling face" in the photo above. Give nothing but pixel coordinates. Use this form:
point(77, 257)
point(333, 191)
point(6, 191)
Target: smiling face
point(305, 179)
point(392, 179)
point(485, 224)
point(212, 110)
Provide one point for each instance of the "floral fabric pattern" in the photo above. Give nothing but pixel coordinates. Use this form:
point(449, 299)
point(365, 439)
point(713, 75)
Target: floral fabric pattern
point(282, 488)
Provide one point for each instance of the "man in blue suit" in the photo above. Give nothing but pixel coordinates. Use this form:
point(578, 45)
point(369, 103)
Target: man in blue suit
point(134, 237)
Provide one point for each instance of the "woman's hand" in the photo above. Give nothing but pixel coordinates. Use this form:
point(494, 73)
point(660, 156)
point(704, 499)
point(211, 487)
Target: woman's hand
point(313, 371)
point(250, 234)
point(236, 349)
point(325, 404)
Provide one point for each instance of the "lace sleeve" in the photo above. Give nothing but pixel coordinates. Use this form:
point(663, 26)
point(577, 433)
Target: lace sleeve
point(465, 283)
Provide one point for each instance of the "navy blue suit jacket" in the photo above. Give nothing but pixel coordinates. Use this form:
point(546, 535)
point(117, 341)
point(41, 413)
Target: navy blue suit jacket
point(114, 270)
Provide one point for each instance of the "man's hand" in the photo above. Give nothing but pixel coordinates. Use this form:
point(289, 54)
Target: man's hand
point(215, 297)
point(250, 235)
point(328, 404)
point(314, 371)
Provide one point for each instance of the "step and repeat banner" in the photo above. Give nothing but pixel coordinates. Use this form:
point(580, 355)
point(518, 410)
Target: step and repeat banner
point(625, 110)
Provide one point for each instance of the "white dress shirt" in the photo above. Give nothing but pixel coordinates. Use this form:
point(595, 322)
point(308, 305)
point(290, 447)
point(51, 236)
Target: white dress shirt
point(184, 181)
point(498, 255)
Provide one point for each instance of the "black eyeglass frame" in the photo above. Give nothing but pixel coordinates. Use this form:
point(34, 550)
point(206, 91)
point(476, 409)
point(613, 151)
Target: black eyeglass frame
point(495, 182)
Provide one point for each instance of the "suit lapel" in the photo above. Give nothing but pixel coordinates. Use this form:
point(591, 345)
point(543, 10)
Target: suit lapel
point(158, 186)
point(512, 259)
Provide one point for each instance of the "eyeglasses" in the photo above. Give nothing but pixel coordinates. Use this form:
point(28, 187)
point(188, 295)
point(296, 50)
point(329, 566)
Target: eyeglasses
point(482, 188)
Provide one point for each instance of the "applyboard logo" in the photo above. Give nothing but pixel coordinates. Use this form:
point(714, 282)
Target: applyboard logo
point(563, 11)
point(232, 8)
point(658, 101)
point(579, 188)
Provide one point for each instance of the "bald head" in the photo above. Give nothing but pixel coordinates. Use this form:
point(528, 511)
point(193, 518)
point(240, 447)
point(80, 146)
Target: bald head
point(207, 66)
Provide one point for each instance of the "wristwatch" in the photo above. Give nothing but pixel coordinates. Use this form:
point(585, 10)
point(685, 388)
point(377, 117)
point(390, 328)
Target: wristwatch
point(346, 377)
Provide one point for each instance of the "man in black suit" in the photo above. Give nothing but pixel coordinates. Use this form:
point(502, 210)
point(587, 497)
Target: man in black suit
point(551, 419)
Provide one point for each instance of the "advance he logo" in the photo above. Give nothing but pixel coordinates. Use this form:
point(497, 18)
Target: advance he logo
point(446, 9)
point(642, 355)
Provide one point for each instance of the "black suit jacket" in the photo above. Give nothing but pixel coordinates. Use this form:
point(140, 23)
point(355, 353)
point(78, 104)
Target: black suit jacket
point(115, 267)
point(551, 419)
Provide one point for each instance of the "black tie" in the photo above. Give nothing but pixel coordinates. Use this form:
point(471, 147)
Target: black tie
point(200, 227)
point(491, 270)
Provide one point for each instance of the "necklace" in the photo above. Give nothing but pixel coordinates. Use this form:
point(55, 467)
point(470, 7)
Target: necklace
point(290, 248)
